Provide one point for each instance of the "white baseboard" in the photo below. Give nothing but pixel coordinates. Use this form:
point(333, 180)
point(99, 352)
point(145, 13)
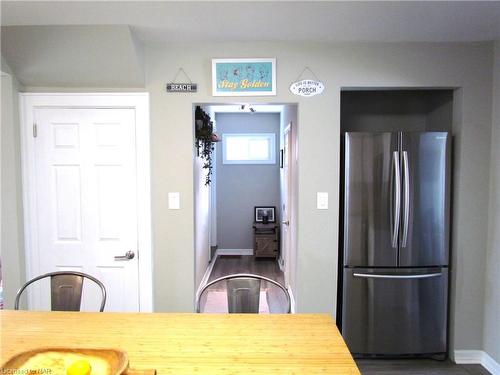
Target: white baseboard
point(281, 264)
point(206, 276)
point(292, 299)
point(235, 251)
point(464, 357)
point(490, 364)
point(479, 357)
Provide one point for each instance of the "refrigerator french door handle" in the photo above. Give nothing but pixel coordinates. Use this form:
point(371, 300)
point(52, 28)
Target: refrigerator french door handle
point(379, 276)
point(406, 198)
point(397, 204)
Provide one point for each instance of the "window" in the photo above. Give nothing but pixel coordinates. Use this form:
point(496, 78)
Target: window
point(257, 148)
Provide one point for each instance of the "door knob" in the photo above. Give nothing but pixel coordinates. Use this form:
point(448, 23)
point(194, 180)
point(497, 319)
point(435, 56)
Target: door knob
point(128, 255)
point(286, 222)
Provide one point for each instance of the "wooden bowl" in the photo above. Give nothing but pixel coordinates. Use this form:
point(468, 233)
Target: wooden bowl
point(116, 359)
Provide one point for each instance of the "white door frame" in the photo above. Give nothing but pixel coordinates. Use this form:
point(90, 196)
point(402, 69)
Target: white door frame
point(286, 264)
point(28, 102)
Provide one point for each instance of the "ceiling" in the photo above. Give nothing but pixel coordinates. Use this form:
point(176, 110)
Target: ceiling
point(238, 21)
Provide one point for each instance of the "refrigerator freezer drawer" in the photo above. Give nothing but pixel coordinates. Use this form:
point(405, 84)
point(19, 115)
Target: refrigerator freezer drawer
point(388, 311)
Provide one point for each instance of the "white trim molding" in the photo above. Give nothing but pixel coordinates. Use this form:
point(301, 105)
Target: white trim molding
point(235, 252)
point(207, 274)
point(490, 364)
point(479, 357)
point(281, 264)
point(249, 137)
point(139, 101)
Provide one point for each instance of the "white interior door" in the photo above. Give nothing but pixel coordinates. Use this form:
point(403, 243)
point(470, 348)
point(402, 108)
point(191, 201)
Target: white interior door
point(286, 199)
point(86, 201)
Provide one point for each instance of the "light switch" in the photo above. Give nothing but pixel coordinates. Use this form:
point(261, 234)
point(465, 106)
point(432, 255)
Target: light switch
point(174, 201)
point(322, 201)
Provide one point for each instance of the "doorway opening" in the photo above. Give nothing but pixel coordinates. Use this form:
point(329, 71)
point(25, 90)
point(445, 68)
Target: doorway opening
point(245, 197)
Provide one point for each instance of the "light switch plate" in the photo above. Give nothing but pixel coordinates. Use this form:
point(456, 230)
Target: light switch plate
point(174, 201)
point(322, 201)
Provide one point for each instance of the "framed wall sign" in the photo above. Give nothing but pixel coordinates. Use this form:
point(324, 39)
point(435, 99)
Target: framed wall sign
point(307, 87)
point(182, 87)
point(265, 214)
point(243, 77)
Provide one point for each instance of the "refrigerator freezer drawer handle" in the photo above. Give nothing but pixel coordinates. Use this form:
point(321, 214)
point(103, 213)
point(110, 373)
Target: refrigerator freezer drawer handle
point(375, 276)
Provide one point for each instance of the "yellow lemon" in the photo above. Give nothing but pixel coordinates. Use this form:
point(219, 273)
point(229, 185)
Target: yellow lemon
point(81, 367)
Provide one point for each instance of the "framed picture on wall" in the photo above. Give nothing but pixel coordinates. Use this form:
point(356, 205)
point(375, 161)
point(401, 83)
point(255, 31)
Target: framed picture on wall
point(265, 215)
point(244, 77)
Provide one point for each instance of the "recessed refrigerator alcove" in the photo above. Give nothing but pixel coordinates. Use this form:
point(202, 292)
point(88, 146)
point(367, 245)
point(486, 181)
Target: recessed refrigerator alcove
point(394, 221)
point(396, 110)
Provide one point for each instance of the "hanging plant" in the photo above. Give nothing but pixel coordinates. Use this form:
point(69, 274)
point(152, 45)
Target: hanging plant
point(205, 140)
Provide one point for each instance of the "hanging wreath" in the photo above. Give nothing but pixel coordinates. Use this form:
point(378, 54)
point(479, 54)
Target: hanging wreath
point(205, 140)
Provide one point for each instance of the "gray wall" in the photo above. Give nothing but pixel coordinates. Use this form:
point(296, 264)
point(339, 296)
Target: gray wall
point(12, 236)
point(440, 111)
point(241, 187)
point(492, 277)
point(467, 66)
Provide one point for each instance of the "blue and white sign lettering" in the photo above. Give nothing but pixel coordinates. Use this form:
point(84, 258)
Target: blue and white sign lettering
point(307, 87)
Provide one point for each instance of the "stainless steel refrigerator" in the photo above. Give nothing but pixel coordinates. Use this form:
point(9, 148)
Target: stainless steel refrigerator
point(396, 202)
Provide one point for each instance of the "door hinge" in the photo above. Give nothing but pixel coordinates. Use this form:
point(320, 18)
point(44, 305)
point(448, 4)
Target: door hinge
point(35, 131)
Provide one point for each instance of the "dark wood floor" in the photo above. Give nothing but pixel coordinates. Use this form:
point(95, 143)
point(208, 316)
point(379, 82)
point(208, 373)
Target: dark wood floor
point(226, 265)
point(416, 367)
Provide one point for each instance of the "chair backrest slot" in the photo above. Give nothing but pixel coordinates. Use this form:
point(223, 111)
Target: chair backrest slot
point(243, 295)
point(65, 290)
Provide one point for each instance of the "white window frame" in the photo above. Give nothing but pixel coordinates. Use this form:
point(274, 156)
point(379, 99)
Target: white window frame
point(270, 136)
point(140, 103)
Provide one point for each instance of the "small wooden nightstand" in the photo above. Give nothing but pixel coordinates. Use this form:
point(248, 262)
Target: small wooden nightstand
point(266, 240)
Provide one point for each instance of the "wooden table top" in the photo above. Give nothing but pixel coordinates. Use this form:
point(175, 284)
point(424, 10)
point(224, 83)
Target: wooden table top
point(189, 343)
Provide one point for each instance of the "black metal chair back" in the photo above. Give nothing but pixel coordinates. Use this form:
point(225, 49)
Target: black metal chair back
point(65, 290)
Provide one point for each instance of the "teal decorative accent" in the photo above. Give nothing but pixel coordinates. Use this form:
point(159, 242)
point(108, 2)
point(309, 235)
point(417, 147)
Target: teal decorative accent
point(243, 77)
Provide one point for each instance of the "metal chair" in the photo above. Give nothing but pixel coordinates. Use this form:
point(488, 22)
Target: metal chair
point(243, 292)
point(65, 290)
